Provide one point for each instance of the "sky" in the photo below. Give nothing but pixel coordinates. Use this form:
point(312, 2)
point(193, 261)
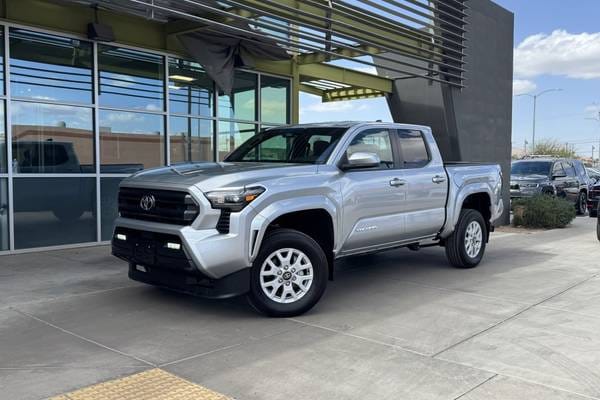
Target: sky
point(557, 46)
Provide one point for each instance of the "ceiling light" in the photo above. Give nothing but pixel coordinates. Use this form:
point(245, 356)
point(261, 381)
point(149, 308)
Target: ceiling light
point(182, 78)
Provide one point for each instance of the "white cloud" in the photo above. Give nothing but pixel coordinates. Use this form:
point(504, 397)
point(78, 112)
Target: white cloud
point(523, 86)
point(334, 107)
point(561, 53)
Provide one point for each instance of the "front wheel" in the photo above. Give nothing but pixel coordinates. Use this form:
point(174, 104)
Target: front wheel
point(289, 275)
point(581, 205)
point(466, 245)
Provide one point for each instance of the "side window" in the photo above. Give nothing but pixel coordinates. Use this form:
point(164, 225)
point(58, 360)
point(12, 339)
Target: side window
point(569, 170)
point(375, 141)
point(557, 169)
point(413, 148)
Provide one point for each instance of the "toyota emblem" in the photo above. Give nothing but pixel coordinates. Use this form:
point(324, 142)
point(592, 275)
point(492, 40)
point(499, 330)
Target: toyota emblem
point(147, 202)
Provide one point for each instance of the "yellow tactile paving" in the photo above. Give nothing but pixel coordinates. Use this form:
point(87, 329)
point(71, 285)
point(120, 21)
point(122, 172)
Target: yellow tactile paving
point(154, 384)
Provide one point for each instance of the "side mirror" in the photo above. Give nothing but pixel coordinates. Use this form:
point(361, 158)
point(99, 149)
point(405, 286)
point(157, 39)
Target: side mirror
point(362, 160)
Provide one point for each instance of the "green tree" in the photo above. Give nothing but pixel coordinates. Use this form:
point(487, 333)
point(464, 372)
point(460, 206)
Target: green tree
point(552, 147)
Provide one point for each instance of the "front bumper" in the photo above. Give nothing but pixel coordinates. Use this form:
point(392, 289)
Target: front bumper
point(155, 259)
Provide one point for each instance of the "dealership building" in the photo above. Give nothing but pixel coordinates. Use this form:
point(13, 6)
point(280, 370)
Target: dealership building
point(93, 91)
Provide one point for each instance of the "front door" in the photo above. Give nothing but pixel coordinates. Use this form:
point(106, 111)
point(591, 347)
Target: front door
point(372, 197)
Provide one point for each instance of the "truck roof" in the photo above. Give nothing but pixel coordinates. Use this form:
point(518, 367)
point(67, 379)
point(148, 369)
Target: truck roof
point(348, 124)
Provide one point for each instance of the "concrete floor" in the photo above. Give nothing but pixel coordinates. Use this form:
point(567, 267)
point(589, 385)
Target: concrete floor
point(399, 325)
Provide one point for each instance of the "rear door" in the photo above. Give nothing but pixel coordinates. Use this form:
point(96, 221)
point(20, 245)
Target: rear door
point(424, 206)
point(572, 181)
point(560, 179)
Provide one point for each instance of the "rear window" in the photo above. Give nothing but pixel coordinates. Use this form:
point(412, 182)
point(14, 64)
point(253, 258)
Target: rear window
point(413, 148)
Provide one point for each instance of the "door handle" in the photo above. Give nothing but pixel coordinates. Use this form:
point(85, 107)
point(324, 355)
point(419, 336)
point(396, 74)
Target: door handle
point(438, 179)
point(397, 182)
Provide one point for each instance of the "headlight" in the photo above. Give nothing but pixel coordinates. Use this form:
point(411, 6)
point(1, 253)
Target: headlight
point(234, 199)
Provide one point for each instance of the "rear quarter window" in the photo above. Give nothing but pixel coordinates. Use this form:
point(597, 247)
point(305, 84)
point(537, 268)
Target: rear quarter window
point(413, 148)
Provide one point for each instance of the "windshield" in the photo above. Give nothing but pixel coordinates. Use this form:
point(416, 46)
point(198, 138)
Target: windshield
point(531, 168)
point(289, 145)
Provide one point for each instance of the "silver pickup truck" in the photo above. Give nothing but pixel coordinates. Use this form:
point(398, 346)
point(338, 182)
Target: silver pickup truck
point(270, 220)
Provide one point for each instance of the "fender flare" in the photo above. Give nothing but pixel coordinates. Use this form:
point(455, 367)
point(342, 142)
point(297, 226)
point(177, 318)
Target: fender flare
point(266, 216)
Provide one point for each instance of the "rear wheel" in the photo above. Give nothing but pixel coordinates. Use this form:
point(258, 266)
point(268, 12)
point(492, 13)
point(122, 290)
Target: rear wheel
point(581, 205)
point(289, 274)
point(466, 246)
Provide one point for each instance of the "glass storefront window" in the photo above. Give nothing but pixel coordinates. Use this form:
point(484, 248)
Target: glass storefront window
point(49, 138)
point(191, 139)
point(49, 67)
point(54, 211)
point(242, 102)
point(3, 214)
point(274, 99)
point(130, 141)
point(109, 202)
point(2, 88)
point(3, 153)
point(190, 89)
point(231, 135)
point(130, 79)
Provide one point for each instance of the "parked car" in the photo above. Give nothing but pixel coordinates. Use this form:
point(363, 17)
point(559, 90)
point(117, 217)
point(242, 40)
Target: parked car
point(594, 200)
point(552, 176)
point(271, 219)
point(594, 174)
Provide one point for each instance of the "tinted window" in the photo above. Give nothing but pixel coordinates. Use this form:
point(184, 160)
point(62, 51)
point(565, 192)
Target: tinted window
point(274, 99)
point(569, 169)
point(50, 138)
point(241, 104)
point(3, 214)
point(558, 170)
point(531, 168)
point(293, 145)
point(48, 67)
point(376, 141)
point(190, 89)
point(130, 78)
point(413, 148)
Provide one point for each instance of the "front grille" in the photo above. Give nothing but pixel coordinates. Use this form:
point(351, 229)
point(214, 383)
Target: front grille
point(514, 187)
point(223, 223)
point(170, 206)
point(594, 193)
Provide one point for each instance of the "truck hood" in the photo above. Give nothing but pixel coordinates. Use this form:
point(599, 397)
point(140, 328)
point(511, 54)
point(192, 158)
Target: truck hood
point(209, 176)
point(529, 178)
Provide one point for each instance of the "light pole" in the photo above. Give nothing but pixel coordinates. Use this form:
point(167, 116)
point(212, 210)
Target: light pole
point(535, 97)
point(597, 119)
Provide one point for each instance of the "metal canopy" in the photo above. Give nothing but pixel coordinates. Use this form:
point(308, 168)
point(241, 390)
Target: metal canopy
point(423, 38)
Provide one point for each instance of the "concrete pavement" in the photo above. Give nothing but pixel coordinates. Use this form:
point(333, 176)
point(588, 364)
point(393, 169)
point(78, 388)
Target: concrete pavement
point(396, 325)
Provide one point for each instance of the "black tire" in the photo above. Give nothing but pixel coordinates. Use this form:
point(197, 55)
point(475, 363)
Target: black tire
point(593, 214)
point(282, 239)
point(456, 251)
point(581, 205)
point(598, 229)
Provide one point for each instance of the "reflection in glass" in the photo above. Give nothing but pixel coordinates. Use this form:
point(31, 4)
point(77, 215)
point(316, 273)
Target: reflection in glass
point(3, 214)
point(54, 211)
point(191, 139)
point(274, 99)
point(49, 67)
point(50, 138)
point(109, 201)
point(242, 102)
point(130, 141)
point(231, 135)
point(190, 89)
point(3, 163)
point(130, 79)
point(2, 61)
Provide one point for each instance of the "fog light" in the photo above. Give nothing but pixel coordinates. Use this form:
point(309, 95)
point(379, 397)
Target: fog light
point(174, 246)
point(120, 236)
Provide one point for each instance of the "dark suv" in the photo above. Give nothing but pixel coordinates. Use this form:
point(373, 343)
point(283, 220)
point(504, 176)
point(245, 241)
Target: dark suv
point(553, 176)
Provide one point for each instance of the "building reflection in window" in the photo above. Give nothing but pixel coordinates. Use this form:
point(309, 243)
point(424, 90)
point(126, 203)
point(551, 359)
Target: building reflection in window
point(231, 135)
point(50, 138)
point(130, 141)
point(241, 105)
point(190, 89)
point(191, 139)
